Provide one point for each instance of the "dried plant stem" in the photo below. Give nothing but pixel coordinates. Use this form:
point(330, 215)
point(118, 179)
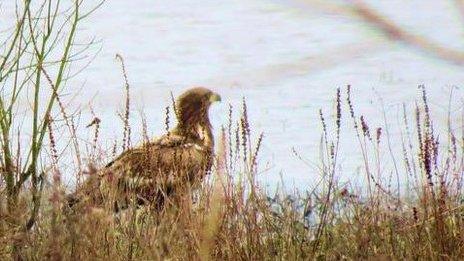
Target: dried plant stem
point(126, 139)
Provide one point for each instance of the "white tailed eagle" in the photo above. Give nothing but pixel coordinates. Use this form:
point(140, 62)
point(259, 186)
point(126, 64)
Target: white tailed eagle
point(161, 169)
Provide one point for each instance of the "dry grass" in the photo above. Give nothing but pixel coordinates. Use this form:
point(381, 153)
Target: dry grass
point(232, 218)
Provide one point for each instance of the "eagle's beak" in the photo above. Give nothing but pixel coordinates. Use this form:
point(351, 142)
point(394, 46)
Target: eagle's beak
point(214, 98)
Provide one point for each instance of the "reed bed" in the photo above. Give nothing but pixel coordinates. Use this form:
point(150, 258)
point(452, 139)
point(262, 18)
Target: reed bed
point(232, 217)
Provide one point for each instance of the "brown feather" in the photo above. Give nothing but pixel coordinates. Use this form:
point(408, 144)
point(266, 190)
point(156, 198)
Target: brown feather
point(170, 165)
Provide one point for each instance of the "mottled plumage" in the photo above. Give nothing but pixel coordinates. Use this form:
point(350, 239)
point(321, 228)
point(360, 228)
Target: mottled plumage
point(166, 167)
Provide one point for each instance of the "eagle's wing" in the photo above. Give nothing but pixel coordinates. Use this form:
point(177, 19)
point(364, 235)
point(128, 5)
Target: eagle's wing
point(166, 141)
point(167, 164)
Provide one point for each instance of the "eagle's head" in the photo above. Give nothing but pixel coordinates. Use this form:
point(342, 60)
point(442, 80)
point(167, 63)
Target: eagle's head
point(192, 111)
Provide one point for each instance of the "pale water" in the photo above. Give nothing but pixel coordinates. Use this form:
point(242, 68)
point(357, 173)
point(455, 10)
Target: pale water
point(286, 57)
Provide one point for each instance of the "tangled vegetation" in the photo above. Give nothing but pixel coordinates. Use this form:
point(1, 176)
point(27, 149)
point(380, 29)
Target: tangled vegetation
point(231, 216)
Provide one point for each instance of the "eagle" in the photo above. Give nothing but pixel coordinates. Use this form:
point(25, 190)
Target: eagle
point(158, 171)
